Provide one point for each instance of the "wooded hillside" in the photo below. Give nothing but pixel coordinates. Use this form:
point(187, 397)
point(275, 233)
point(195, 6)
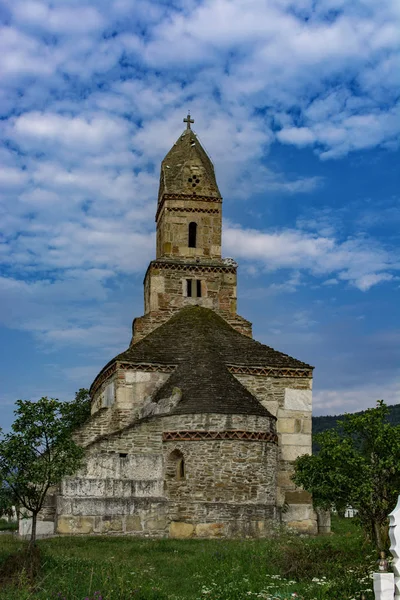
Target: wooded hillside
point(320, 424)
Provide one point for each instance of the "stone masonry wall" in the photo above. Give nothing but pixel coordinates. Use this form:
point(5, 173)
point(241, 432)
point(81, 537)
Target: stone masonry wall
point(167, 287)
point(173, 228)
point(290, 400)
point(234, 471)
point(228, 488)
point(118, 401)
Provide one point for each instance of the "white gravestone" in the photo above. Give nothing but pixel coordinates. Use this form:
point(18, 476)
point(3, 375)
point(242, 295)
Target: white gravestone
point(394, 534)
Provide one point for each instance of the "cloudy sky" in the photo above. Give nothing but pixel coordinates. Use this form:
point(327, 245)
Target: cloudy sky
point(297, 103)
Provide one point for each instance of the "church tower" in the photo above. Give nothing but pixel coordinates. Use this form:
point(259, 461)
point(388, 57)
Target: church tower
point(188, 269)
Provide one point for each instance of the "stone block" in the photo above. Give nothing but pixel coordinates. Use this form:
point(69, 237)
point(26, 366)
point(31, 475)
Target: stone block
point(306, 526)
point(156, 524)
point(298, 497)
point(181, 530)
point(209, 530)
point(69, 525)
point(271, 405)
point(286, 425)
point(284, 479)
point(290, 453)
point(297, 439)
point(112, 526)
point(298, 399)
point(137, 376)
point(298, 512)
point(133, 523)
point(42, 527)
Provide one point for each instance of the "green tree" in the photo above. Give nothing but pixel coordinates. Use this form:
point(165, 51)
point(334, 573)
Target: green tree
point(7, 500)
point(358, 466)
point(40, 450)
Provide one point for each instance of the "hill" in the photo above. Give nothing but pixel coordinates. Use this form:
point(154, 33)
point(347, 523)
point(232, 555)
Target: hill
point(330, 421)
point(320, 424)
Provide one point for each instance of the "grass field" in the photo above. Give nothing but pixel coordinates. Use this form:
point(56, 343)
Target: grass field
point(121, 568)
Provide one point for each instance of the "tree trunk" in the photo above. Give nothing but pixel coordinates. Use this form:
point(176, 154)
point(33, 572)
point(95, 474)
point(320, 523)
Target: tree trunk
point(33, 534)
point(378, 536)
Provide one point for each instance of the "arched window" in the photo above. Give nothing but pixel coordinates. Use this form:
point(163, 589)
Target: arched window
point(192, 234)
point(175, 467)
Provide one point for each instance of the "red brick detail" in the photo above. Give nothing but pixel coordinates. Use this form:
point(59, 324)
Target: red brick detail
point(187, 197)
point(210, 211)
point(175, 266)
point(148, 367)
point(269, 371)
point(234, 434)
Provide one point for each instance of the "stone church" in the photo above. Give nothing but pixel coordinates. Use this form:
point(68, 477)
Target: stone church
point(195, 426)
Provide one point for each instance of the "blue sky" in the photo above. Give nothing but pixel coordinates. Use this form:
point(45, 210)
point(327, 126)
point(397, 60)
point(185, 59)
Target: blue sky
point(296, 102)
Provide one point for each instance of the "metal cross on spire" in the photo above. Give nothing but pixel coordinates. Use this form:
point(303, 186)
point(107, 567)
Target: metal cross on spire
point(188, 121)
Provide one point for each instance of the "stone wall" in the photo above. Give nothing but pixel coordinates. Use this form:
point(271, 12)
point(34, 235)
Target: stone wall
point(166, 286)
point(290, 400)
point(173, 228)
point(118, 400)
point(227, 487)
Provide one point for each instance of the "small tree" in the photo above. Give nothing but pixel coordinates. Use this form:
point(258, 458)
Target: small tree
point(40, 450)
point(359, 467)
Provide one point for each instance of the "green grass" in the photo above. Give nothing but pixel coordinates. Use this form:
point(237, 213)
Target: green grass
point(8, 525)
point(122, 568)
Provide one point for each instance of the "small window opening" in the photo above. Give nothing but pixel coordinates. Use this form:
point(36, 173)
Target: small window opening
point(180, 472)
point(192, 234)
point(123, 454)
point(175, 466)
point(198, 286)
point(189, 288)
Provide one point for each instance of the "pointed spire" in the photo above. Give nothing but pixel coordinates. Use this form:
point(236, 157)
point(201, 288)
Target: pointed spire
point(187, 169)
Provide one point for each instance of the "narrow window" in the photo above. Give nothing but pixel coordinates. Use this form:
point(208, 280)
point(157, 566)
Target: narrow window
point(123, 454)
point(181, 469)
point(198, 286)
point(192, 234)
point(189, 288)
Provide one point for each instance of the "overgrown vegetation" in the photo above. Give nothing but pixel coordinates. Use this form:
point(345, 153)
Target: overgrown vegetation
point(114, 568)
point(358, 466)
point(6, 525)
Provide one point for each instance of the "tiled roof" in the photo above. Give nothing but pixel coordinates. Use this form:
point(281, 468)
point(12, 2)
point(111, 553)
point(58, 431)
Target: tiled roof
point(195, 327)
point(201, 344)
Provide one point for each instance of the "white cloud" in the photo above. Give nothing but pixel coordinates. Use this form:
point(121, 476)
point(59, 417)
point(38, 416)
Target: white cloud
point(354, 398)
point(358, 261)
point(299, 136)
point(78, 19)
point(76, 133)
point(94, 93)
